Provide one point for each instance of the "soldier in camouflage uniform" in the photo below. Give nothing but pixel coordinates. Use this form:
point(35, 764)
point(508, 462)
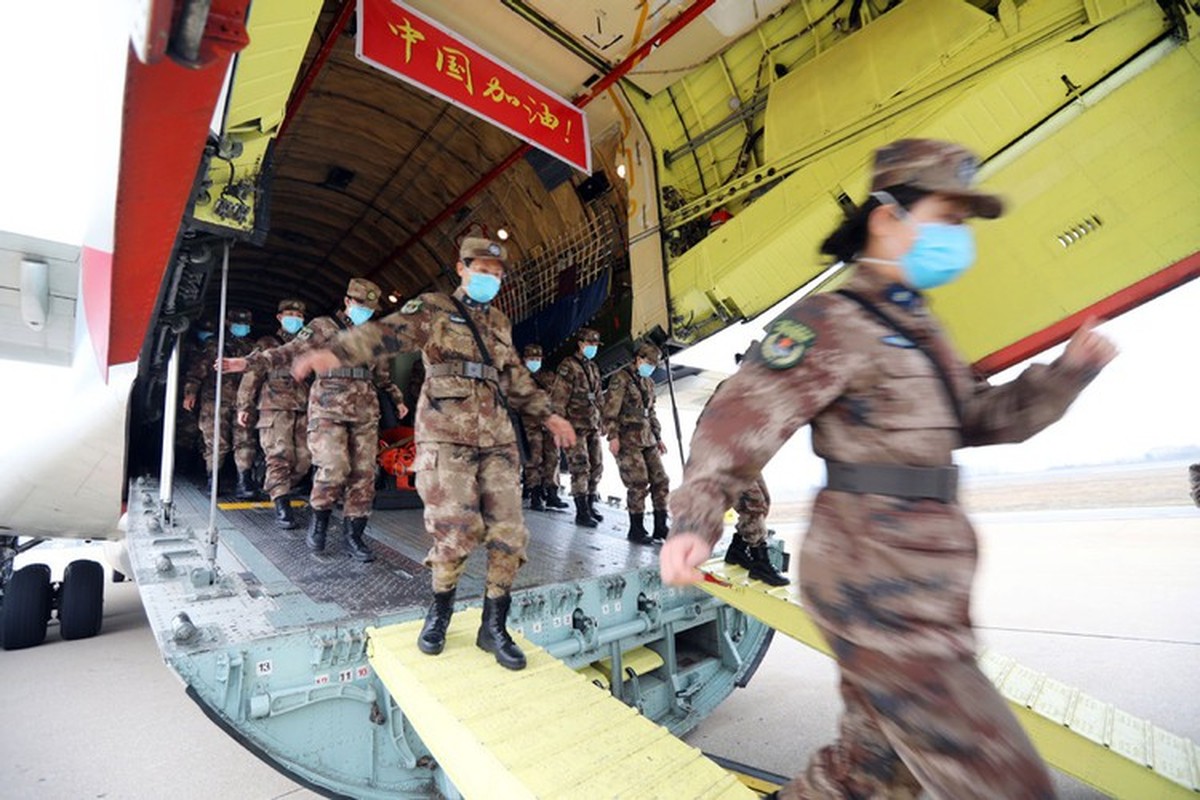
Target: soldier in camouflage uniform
point(887, 565)
point(635, 440)
point(578, 397)
point(281, 405)
point(343, 420)
point(189, 443)
point(468, 465)
point(541, 468)
point(202, 383)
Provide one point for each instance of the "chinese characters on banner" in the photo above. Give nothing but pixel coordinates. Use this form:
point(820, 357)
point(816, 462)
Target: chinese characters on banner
point(400, 41)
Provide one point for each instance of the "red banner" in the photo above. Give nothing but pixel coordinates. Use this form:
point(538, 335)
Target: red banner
point(405, 43)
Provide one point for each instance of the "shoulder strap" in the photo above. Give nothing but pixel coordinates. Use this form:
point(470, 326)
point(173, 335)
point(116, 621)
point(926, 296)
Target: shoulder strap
point(876, 312)
point(483, 351)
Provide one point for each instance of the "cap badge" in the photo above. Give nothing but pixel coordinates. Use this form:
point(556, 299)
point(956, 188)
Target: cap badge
point(494, 249)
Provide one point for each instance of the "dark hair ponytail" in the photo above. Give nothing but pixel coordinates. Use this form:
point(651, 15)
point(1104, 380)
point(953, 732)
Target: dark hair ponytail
point(849, 238)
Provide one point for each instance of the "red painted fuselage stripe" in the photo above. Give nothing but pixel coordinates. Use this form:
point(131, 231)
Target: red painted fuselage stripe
point(1114, 305)
point(97, 301)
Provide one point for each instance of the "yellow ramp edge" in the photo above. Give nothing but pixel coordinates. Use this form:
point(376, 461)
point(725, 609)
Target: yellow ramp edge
point(543, 732)
point(1115, 752)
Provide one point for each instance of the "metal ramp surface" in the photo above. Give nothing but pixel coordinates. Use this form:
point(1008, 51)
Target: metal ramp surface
point(1117, 753)
point(543, 732)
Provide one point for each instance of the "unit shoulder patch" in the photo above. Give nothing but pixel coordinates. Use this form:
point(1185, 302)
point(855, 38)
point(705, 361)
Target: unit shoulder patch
point(305, 333)
point(786, 343)
point(412, 306)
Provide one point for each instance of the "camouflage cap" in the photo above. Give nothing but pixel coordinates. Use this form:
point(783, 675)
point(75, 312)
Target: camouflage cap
point(239, 315)
point(532, 351)
point(473, 247)
point(936, 166)
point(590, 335)
point(292, 304)
point(365, 292)
point(649, 352)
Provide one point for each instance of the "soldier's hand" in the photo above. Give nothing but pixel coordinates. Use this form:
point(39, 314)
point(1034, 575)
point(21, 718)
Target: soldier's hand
point(314, 361)
point(563, 431)
point(243, 419)
point(401, 411)
point(1087, 349)
point(614, 446)
point(680, 555)
point(189, 402)
point(662, 448)
point(231, 364)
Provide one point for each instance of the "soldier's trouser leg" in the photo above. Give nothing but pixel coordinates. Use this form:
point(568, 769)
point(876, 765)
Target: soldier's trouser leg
point(915, 722)
point(276, 434)
point(579, 462)
point(752, 508)
point(447, 481)
point(328, 441)
point(245, 447)
point(549, 476)
point(533, 466)
point(631, 466)
point(595, 460)
point(360, 483)
point(206, 430)
point(656, 474)
point(303, 462)
point(505, 534)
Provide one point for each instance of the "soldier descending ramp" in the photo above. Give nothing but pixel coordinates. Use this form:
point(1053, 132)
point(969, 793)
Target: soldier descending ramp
point(1114, 752)
point(545, 731)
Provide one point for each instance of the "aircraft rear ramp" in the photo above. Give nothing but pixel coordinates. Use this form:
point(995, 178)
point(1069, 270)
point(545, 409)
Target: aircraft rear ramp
point(545, 731)
point(1115, 752)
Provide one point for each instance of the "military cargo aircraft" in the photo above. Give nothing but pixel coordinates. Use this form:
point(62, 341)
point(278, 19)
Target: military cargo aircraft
point(658, 169)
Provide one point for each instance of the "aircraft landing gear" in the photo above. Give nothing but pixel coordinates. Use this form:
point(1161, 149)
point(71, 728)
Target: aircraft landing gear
point(28, 598)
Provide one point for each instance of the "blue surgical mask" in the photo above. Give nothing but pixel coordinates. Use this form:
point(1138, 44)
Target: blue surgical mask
point(645, 370)
point(534, 364)
point(204, 336)
point(589, 351)
point(482, 287)
point(359, 314)
point(292, 324)
point(941, 254)
point(239, 329)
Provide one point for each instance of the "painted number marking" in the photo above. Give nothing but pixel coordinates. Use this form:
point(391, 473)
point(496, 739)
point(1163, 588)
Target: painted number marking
point(322, 680)
point(264, 667)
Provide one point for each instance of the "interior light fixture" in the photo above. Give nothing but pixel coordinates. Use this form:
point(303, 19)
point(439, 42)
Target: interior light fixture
point(502, 234)
point(621, 171)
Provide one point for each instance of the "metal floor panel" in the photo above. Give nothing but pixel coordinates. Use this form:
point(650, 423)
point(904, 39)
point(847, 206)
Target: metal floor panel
point(558, 552)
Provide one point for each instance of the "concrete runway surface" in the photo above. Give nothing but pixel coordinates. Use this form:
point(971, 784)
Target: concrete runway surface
point(1104, 600)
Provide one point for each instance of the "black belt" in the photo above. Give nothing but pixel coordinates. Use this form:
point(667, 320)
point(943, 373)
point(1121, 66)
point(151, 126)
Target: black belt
point(934, 483)
point(357, 373)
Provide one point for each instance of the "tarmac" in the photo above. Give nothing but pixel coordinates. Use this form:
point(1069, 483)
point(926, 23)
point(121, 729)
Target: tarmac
point(1106, 600)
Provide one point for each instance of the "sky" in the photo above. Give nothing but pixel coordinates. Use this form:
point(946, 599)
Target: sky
point(62, 118)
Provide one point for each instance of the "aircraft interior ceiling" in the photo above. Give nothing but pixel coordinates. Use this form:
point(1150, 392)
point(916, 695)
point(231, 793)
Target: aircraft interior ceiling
point(360, 180)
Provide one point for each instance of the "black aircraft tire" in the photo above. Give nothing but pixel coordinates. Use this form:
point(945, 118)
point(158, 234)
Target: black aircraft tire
point(81, 604)
point(26, 608)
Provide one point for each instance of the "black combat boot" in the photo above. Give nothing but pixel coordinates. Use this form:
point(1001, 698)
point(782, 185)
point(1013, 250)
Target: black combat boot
point(316, 530)
point(437, 620)
point(550, 495)
point(283, 513)
point(660, 525)
point(761, 567)
point(582, 515)
point(493, 635)
point(593, 501)
point(637, 529)
point(535, 499)
point(738, 552)
point(246, 490)
point(353, 527)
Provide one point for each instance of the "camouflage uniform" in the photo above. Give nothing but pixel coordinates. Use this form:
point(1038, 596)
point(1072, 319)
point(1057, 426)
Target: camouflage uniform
point(188, 440)
point(281, 404)
point(578, 396)
point(343, 423)
point(752, 507)
point(631, 419)
point(202, 382)
point(467, 461)
point(887, 578)
point(541, 467)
